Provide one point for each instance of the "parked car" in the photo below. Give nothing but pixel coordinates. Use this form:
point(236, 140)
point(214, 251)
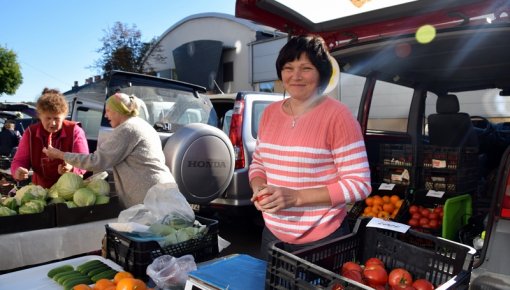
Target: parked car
point(239, 116)
point(403, 70)
point(199, 155)
point(23, 114)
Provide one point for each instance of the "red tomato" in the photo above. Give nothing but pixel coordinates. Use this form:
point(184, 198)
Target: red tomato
point(353, 275)
point(375, 275)
point(261, 197)
point(424, 221)
point(413, 222)
point(433, 216)
point(337, 287)
point(374, 261)
point(434, 224)
point(438, 209)
point(413, 209)
point(422, 284)
point(399, 278)
point(425, 212)
point(416, 216)
point(351, 266)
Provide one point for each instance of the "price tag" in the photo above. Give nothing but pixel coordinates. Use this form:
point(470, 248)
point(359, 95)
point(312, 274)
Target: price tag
point(388, 225)
point(433, 193)
point(387, 186)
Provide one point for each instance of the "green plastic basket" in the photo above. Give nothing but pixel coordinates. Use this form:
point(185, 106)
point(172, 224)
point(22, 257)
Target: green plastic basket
point(457, 211)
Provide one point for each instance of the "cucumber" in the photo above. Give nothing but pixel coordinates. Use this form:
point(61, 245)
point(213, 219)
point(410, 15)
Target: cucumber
point(69, 276)
point(60, 269)
point(98, 270)
point(80, 280)
point(108, 274)
point(58, 275)
point(88, 263)
point(90, 267)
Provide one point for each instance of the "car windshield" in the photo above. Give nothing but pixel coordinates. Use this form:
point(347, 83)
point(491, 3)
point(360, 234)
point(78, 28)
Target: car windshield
point(168, 109)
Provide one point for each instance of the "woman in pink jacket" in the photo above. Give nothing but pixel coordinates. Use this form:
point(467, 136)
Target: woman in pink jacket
point(54, 129)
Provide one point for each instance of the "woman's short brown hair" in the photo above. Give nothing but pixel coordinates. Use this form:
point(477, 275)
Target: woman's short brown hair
point(52, 101)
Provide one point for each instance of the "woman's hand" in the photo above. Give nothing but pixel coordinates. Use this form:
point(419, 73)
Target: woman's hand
point(271, 199)
point(64, 167)
point(21, 173)
point(53, 153)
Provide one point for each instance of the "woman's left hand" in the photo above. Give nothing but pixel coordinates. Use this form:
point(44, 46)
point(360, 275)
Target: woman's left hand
point(277, 198)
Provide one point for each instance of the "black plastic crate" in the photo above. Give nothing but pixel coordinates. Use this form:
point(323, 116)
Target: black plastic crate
point(396, 175)
point(396, 154)
point(66, 216)
point(358, 208)
point(28, 222)
point(449, 157)
point(134, 256)
point(457, 181)
point(447, 263)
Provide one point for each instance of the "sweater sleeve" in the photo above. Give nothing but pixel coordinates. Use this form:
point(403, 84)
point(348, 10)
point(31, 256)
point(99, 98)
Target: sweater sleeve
point(109, 153)
point(351, 160)
point(80, 145)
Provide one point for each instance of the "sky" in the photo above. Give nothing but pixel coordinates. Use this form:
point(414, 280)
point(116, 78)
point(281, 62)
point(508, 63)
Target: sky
point(56, 41)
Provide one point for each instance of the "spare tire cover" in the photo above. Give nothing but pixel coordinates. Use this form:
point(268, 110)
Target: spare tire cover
point(201, 159)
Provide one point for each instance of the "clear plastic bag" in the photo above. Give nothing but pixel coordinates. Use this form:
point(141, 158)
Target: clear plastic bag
point(169, 272)
point(163, 203)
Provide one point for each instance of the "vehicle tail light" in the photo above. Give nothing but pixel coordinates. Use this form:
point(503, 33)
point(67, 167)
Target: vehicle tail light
point(505, 206)
point(235, 134)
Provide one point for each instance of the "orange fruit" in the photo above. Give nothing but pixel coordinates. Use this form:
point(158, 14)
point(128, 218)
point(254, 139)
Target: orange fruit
point(388, 207)
point(394, 199)
point(369, 201)
point(114, 287)
point(383, 215)
point(102, 284)
point(131, 284)
point(398, 204)
point(121, 275)
point(376, 209)
point(367, 209)
point(81, 287)
point(386, 199)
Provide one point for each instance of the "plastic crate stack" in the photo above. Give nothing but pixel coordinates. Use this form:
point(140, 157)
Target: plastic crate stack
point(453, 170)
point(396, 164)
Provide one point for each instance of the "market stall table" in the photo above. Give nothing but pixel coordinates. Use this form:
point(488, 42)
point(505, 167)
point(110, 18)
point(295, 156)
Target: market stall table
point(36, 277)
point(41, 246)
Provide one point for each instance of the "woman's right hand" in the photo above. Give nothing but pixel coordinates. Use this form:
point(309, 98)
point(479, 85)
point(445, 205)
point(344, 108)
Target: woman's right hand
point(21, 173)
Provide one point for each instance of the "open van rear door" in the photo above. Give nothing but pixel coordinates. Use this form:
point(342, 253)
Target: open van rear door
point(340, 22)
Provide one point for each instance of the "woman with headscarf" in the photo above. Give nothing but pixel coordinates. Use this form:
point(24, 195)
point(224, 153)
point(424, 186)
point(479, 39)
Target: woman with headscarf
point(133, 150)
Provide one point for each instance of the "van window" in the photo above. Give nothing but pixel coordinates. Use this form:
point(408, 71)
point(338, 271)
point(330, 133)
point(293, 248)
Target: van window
point(258, 108)
point(351, 89)
point(390, 107)
point(90, 120)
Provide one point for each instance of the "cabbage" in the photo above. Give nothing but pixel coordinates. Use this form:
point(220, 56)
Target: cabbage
point(4, 211)
point(99, 186)
point(70, 204)
point(84, 197)
point(67, 184)
point(57, 200)
point(10, 203)
point(161, 230)
point(30, 192)
point(31, 207)
point(53, 192)
point(102, 199)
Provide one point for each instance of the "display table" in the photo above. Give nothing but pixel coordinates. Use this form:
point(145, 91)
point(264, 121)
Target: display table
point(36, 277)
point(40, 246)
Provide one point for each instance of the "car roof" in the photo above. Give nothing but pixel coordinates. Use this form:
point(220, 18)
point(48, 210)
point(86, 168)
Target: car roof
point(10, 109)
point(387, 47)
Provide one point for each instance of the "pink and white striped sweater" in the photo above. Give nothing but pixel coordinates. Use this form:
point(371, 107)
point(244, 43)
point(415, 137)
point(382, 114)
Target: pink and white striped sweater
point(325, 148)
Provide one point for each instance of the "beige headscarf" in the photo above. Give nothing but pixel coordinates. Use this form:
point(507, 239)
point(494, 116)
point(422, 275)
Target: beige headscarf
point(123, 104)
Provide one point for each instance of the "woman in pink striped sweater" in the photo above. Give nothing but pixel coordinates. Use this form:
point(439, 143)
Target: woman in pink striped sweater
point(310, 159)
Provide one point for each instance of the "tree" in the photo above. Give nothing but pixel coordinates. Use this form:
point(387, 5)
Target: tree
point(124, 50)
point(10, 72)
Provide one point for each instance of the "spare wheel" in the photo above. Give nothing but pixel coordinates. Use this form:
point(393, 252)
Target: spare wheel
point(201, 158)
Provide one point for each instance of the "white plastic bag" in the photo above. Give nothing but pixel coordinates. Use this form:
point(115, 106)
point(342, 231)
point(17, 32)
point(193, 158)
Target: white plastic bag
point(166, 202)
point(169, 272)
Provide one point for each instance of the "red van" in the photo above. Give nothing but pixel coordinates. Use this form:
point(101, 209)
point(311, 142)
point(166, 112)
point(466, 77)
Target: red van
point(431, 77)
